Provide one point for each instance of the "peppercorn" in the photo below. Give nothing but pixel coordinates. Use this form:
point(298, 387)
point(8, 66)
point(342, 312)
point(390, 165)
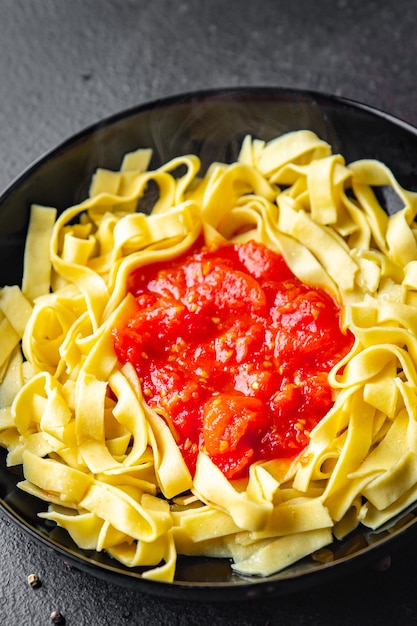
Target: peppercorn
point(33, 580)
point(57, 618)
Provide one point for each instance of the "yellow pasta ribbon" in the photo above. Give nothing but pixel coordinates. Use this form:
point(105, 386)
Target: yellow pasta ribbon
point(76, 419)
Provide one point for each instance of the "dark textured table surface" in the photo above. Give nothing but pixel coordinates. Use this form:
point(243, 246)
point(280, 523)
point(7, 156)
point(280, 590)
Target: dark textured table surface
point(65, 65)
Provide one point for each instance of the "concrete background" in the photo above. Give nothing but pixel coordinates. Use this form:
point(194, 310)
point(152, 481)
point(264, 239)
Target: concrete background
point(67, 64)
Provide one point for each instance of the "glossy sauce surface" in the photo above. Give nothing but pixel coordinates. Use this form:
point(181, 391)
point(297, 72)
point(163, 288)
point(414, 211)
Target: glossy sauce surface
point(234, 351)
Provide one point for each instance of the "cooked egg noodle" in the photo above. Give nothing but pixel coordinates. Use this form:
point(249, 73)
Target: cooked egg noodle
point(108, 464)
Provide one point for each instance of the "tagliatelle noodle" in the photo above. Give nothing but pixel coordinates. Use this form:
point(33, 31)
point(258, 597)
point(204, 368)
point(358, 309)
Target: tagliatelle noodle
point(109, 465)
point(37, 264)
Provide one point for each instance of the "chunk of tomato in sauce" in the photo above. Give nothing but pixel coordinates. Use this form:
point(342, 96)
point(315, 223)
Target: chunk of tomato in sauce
point(233, 351)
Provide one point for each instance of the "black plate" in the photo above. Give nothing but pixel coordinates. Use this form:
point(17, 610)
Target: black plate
point(212, 125)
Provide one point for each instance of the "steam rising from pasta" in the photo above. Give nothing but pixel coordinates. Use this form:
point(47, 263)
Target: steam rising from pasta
point(107, 464)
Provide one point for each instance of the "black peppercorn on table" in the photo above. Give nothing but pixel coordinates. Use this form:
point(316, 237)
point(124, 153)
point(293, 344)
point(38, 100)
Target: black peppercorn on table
point(65, 66)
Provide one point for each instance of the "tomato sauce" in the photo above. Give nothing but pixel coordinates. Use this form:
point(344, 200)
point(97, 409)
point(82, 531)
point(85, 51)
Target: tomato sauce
point(234, 351)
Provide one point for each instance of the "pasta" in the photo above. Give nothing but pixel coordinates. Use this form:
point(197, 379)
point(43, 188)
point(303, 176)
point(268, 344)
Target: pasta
point(108, 464)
